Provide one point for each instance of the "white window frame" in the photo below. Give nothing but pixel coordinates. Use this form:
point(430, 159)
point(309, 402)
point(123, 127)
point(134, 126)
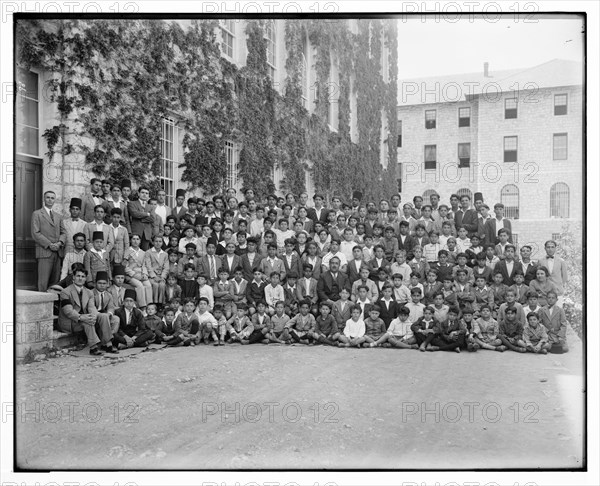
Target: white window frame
point(39, 111)
point(168, 165)
point(511, 210)
point(228, 33)
point(565, 148)
point(271, 28)
point(232, 155)
point(556, 208)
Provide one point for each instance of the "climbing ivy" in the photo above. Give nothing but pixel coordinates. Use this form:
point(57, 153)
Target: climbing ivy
point(113, 80)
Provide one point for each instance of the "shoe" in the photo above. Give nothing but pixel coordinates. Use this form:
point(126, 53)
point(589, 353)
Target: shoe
point(422, 348)
point(386, 345)
point(94, 351)
point(457, 349)
point(110, 349)
point(521, 350)
point(216, 343)
point(501, 348)
point(433, 348)
point(543, 351)
point(245, 341)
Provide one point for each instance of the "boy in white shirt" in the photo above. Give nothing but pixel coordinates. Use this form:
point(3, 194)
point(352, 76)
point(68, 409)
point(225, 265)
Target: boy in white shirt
point(354, 332)
point(399, 334)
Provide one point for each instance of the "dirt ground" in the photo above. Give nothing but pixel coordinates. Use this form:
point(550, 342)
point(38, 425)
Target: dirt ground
point(272, 407)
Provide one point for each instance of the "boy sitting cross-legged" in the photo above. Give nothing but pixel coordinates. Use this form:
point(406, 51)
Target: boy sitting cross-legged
point(326, 329)
point(375, 333)
point(187, 325)
point(207, 323)
point(425, 329)
point(399, 334)
point(511, 331)
point(279, 333)
point(302, 325)
point(486, 330)
point(354, 332)
point(239, 326)
point(535, 335)
point(452, 336)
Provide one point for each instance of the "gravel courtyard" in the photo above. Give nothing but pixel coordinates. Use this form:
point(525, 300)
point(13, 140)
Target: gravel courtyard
point(273, 407)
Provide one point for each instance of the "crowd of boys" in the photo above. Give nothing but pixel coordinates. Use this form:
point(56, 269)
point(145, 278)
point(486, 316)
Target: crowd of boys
point(131, 271)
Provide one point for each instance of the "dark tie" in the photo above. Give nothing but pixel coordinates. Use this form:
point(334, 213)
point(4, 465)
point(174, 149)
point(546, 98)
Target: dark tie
point(80, 299)
point(52, 216)
point(101, 302)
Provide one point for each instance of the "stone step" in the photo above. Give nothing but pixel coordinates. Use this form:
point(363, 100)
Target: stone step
point(62, 340)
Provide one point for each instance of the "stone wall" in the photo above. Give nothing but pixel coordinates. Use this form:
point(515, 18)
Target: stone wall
point(34, 321)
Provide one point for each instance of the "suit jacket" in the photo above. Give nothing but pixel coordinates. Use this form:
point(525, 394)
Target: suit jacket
point(303, 293)
point(122, 205)
point(157, 264)
point(248, 268)
point(45, 231)
point(312, 214)
point(408, 244)
point(95, 263)
point(429, 294)
point(506, 278)
point(375, 268)
point(179, 212)
point(117, 294)
point(559, 275)
point(120, 244)
point(325, 286)
point(295, 267)
point(388, 315)
point(529, 271)
point(468, 220)
point(491, 230)
point(141, 220)
point(266, 268)
point(353, 273)
point(237, 262)
point(108, 306)
point(557, 324)
point(135, 266)
point(157, 225)
point(68, 228)
point(316, 266)
point(88, 205)
point(341, 316)
point(109, 237)
point(204, 268)
point(137, 321)
point(71, 307)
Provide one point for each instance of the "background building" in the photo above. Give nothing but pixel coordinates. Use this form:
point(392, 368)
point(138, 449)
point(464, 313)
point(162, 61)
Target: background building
point(515, 136)
point(277, 105)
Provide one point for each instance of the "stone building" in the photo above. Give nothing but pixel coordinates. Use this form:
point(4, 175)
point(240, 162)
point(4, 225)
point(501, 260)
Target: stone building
point(516, 136)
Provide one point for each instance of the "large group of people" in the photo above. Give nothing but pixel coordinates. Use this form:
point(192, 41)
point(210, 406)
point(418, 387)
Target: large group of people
point(132, 271)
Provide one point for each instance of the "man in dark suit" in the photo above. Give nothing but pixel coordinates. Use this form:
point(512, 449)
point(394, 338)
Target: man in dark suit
point(45, 230)
point(132, 327)
point(493, 225)
point(356, 264)
point(319, 212)
point(332, 281)
point(508, 266)
point(528, 266)
point(141, 220)
point(90, 201)
point(251, 259)
point(406, 242)
point(466, 217)
point(179, 210)
point(388, 307)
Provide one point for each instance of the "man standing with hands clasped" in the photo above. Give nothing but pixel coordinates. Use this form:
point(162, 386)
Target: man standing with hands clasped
point(45, 230)
point(141, 219)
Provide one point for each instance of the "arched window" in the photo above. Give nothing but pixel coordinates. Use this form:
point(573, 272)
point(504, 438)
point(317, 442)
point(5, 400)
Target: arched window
point(465, 192)
point(270, 36)
point(559, 200)
point(426, 195)
point(509, 196)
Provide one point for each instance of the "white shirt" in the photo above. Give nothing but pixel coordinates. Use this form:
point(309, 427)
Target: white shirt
point(550, 264)
point(509, 266)
point(400, 329)
point(115, 230)
point(354, 329)
point(162, 212)
point(97, 200)
point(127, 315)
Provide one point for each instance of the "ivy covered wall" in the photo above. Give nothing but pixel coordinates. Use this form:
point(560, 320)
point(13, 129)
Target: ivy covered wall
point(113, 80)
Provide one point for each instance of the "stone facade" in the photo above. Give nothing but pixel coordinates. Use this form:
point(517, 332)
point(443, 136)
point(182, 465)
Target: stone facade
point(535, 171)
point(34, 321)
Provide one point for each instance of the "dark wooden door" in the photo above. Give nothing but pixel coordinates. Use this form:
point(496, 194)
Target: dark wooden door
point(28, 198)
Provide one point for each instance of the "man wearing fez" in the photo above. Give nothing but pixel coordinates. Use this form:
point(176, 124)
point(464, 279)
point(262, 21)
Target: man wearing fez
point(179, 210)
point(78, 312)
point(132, 328)
point(45, 230)
point(356, 198)
point(125, 191)
point(73, 225)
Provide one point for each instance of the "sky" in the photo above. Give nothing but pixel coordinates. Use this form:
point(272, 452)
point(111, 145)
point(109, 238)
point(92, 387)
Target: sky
point(430, 46)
